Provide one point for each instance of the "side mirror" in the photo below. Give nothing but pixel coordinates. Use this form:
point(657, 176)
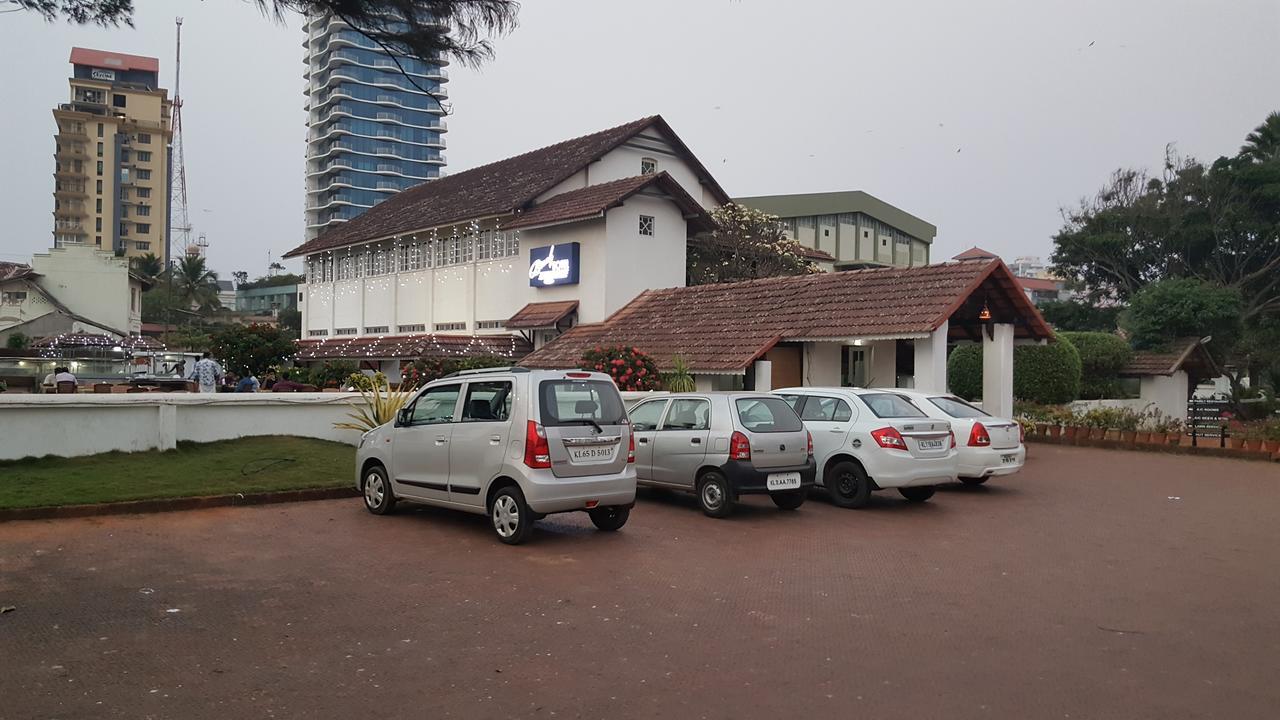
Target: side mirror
point(404, 416)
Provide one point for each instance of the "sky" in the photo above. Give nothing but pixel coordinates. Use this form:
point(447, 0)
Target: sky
point(984, 118)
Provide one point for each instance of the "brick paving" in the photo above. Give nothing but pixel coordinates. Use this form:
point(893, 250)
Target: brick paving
point(1097, 584)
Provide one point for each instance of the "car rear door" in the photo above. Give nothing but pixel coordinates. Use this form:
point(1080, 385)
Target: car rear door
point(586, 425)
point(829, 419)
point(479, 442)
point(778, 438)
point(680, 445)
point(644, 423)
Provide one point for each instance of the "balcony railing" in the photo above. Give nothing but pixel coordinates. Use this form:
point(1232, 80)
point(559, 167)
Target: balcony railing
point(67, 226)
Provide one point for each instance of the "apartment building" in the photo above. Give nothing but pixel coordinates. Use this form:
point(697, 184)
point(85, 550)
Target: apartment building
point(374, 123)
point(112, 167)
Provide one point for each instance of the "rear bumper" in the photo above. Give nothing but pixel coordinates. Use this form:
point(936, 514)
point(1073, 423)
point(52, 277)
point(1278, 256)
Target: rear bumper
point(746, 479)
point(894, 469)
point(989, 462)
point(545, 493)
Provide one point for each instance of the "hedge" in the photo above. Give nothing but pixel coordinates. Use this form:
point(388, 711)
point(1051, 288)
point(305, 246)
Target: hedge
point(1102, 357)
point(1044, 374)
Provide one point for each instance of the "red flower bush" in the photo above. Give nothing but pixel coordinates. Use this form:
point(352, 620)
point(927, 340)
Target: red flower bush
point(630, 368)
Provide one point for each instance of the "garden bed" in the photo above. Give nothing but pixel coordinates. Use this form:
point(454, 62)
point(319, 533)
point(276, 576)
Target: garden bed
point(1207, 446)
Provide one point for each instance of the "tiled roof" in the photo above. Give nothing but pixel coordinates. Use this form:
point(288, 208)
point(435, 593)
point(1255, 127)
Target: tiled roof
point(414, 346)
point(14, 271)
point(1168, 362)
point(79, 340)
point(1039, 284)
point(816, 255)
point(498, 188)
point(976, 253)
point(723, 328)
point(594, 200)
point(541, 315)
point(113, 60)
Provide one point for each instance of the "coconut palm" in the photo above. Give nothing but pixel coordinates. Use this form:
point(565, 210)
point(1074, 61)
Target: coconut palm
point(149, 266)
point(195, 284)
point(1263, 143)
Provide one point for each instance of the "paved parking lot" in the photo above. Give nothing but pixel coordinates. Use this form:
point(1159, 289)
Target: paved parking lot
point(1098, 584)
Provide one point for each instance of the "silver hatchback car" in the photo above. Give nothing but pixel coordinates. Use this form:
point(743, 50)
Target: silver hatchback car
point(722, 445)
point(513, 443)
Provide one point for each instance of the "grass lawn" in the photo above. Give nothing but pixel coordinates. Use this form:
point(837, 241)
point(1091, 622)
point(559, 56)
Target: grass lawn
point(246, 465)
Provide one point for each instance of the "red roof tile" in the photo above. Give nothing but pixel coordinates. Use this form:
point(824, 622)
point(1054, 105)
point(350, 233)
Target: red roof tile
point(499, 188)
point(414, 346)
point(595, 200)
point(14, 271)
point(1181, 351)
point(723, 328)
point(816, 255)
point(976, 253)
point(1039, 284)
point(541, 315)
point(113, 60)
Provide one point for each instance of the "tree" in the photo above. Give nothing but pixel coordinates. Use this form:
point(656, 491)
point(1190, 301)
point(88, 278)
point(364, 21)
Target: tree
point(188, 337)
point(241, 277)
point(18, 341)
point(274, 268)
point(745, 245)
point(1263, 144)
point(195, 284)
point(251, 349)
point(1102, 356)
point(290, 323)
point(149, 266)
point(1074, 315)
point(1183, 307)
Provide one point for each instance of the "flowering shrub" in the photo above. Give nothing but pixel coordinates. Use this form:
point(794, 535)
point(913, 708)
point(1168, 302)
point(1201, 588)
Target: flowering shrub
point(746, 244)
point(630, 368)
point(424, 370)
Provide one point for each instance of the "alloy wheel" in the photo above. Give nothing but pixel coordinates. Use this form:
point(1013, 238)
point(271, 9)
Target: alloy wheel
point(506, 516)
point(374, 490)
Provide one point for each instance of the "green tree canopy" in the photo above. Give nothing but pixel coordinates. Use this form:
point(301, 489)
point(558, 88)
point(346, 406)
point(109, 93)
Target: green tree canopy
point(1077, 316)
point(195, 284)
point(746, 244)
point(244, 349)
point(149, 266)
point(1183, 307)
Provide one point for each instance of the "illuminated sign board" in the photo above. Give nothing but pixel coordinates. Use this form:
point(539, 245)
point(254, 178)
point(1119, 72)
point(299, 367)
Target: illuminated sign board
point(552, 265)
point(99, 74)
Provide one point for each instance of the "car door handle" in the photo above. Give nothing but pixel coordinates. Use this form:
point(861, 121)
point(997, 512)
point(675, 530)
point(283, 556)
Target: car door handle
point(643, 441)
point(441, 440)
point(837, 431)
point(495, 439)
point(695, 441)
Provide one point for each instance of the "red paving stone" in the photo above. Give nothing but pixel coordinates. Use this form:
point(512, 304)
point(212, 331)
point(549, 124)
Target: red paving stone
point(1077, 589)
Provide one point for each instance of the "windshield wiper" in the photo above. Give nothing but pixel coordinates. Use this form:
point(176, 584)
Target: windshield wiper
point(583, 421)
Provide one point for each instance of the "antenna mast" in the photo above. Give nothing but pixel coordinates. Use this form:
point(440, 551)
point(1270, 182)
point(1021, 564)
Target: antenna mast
point(180, 229)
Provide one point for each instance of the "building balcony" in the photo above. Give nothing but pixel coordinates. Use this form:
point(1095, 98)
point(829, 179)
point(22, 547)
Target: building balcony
point(69, 171)
point(72, 133)
point(71, 210)
point(75, 150)
point(69, 190)
point(69, 227)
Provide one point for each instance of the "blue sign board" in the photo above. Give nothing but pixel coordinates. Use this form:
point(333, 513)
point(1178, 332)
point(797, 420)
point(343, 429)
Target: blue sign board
point(552, 265)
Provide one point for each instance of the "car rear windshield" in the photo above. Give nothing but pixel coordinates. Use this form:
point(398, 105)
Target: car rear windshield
point(891, 405)
point(957, 408)
point(767, 415)
point(580, 402)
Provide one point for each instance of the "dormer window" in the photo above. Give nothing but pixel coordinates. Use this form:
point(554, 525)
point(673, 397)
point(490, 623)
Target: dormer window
point(648, 166)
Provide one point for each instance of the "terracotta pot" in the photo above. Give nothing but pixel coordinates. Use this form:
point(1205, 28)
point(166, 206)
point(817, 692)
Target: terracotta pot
point(1159, 438)
point(1042, 429)
point(1235, 442)
point(1253, 443)
point(1128, 436)
point(1143, 437)
point(1173, 438)
point(1271, 446)
point(1069, 432)
point(1098, 433)
point(1055, 430)
point(1111, 434)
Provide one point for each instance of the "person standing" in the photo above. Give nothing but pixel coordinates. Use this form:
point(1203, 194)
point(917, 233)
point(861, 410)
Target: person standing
point(206, 373)
point(248, 383)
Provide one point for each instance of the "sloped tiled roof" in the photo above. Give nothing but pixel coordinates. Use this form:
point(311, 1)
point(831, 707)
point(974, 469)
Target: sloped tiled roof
point(975, 253)
point(1046, 284)
point(723, 328)
point(14, 271)
point(541, 315)
point(80, 340)
point(1168, 362)
point(594, 200)
point(498, 188)
point(414, 346)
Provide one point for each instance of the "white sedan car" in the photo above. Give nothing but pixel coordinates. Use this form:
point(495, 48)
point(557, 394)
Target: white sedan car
point(866, 440)
point(988, 445)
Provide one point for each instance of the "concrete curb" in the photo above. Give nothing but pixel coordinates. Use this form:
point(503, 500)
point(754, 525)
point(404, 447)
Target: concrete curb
point(173, 504)
point(1202, 451)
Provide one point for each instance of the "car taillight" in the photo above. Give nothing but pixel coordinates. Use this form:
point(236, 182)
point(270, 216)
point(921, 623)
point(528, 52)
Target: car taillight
point(952, 433)
point(889, 438)
point(739, 447)
point(537, 453)
point(1022, 433)
point(631, 447)
point(577, 375)
point(810, 436)
point(978, 436)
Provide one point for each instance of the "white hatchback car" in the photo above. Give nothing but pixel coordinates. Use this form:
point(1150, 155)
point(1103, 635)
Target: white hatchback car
point(865, 440)
point(987, 445)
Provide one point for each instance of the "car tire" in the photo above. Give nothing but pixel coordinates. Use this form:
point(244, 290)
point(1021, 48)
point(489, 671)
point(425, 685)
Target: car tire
point(510, 515)
point(610, 518)
point(917, 494)
point(714, 495)
point(848, 485)
point(378, 497)
point(790, 500)
point(973, 481)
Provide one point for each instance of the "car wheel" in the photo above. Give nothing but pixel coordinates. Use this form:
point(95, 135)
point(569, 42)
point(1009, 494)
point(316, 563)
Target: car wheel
point(848, 485)
point(512, 518)
point(789, 500)
point(378, 498)
point(973, 481)
point(610, 518)
point(917, 494)
point(714, 495)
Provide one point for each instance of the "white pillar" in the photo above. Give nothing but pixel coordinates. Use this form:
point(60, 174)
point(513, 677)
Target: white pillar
point(764, 376)
point(997, 371)
point(884, 364)
point(166, 426)
point(931, 360)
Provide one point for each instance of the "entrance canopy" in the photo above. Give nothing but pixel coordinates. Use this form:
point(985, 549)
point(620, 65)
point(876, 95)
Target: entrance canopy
point(725, 328)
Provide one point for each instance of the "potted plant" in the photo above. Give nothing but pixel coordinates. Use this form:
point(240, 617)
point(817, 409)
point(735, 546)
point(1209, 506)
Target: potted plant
point(1252, 435)
point(1271, 436)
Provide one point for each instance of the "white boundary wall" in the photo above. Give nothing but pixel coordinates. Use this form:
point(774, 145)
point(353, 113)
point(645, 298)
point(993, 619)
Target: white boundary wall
point(85, 424)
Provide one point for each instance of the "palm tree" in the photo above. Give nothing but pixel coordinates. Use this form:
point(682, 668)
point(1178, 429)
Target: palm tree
point(1263, 143)
point(195, 284)
point(149, 266)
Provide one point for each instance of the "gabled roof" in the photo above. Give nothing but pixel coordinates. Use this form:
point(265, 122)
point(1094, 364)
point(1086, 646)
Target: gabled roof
point(541, 315)
point(1045, 284)
point(499, 188)
point(113, 60)
point(976, 253)
point(15, 271)
point(594, 200)
point(724, 328)
point(413, 346)
point(1183, 351)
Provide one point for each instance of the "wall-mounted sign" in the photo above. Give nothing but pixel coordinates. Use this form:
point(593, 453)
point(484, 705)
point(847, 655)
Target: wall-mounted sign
point(100, 74)
point(553, 265)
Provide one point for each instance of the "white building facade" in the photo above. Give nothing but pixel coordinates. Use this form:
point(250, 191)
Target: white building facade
point(70, 289)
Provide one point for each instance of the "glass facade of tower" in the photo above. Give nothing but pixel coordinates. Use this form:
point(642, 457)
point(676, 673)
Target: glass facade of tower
point(371, 132)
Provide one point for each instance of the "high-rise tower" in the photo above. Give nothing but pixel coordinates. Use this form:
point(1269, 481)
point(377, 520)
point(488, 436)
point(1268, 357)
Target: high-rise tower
point(371, 131)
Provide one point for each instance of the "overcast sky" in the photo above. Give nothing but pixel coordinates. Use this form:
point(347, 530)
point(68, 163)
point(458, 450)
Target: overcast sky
point(982, 117)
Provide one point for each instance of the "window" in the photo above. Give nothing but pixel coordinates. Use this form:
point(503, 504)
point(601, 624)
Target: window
point(767, 415)
point(99, 167)
point(144, 174)
point(144, 138)
point(376, 330)
point(99, 129)
point(580, 402)
point(143, 210)
point(98, 205)
point(144, 192)
point(99, 187)
point(317, 333)
point(379, 262)
point(117, 101)
point(688, 414)
point(487, 401)
point(124, 229)
point(124, 155)
point(97, 240)
point(646, 225)
point(344, 331)
point(648, 166)
point(141, 245)
point(144, 228)
point(436, 405)
point(15, 297)
point(957, 408)
point(411, 327)
point(826, 409)
point(646, 415)
point(444, 327)
point(891, 405)
point(490, 324)
point(144, 156)
point(99, 149)
point(97, 224)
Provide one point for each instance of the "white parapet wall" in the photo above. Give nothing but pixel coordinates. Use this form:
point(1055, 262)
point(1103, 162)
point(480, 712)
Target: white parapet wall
point(85, 424)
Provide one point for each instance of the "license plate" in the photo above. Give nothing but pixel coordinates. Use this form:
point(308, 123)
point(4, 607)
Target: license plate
point(1008, 459)
point(930, 444)
point(783, 481)
point(600, 453)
